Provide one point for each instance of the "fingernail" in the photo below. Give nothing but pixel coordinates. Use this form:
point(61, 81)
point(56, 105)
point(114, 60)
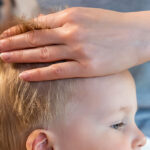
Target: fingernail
point(24, 75)
point(5, 56)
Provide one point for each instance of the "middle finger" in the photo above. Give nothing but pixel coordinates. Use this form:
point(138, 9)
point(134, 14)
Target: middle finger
point(32, 39)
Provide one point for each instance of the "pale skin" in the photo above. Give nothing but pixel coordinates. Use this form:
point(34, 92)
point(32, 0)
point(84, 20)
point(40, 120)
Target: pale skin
point(104, 120)
point(96, 42)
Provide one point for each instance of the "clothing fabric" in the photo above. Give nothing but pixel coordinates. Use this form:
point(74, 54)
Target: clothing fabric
point(147, 146)
point(141, 73)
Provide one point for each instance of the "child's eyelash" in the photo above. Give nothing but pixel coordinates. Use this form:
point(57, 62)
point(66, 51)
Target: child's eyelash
point(118, 126)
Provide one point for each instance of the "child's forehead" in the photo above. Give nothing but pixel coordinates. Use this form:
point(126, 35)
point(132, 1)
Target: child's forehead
point(107, 93)
point(117, 84)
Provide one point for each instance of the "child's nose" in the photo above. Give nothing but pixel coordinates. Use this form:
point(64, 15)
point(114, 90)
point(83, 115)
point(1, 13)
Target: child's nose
point(139, 139)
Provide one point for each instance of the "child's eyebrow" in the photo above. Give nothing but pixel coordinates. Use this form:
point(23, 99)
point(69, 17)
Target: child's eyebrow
point(128, 109)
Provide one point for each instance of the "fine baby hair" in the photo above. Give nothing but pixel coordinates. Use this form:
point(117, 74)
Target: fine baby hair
point(27, 106)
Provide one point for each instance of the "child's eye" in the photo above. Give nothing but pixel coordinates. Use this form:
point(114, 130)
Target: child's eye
point(118, 126)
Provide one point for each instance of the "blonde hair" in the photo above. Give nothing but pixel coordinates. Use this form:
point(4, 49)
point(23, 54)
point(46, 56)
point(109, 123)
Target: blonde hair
point(26, 106)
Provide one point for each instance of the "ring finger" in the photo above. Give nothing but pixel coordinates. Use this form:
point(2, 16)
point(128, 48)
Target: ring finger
point(41, 54)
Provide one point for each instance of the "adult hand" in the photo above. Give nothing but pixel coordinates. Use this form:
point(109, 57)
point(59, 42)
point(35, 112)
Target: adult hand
point(95, 42)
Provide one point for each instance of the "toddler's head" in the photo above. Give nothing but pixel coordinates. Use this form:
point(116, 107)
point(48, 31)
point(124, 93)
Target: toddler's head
point(71, 114)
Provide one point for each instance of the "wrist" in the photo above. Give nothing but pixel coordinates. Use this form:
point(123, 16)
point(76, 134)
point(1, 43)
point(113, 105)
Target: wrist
point(139, 29)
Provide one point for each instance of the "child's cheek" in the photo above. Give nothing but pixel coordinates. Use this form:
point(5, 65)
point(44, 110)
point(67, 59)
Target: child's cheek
point(114, 140)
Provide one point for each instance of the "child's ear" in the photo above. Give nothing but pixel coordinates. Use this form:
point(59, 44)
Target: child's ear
point(40, 140)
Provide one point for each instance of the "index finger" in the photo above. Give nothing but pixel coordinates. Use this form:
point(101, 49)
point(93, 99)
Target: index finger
point(53, 20)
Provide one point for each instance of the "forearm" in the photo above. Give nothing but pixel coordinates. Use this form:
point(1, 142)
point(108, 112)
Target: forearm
point(139, 23)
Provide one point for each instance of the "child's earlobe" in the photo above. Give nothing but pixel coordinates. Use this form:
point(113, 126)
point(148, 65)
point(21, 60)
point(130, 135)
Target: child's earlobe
point(39, 140)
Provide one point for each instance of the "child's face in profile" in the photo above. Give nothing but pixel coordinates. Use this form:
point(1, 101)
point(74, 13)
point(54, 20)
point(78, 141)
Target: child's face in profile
point(104, 118)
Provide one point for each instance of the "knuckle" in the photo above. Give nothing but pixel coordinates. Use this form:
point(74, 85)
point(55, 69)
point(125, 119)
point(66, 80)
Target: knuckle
point(73, 34)
point(57, 71)
point(72, 14)
point(44, 54)
point(18, 54)
point(41, 19)
point(80, 52)
point(38, 72)
point(91, 65)
point(67, 34)
point(10, 43)
point(86, 66)
point(6, 33)
point(31, 39)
